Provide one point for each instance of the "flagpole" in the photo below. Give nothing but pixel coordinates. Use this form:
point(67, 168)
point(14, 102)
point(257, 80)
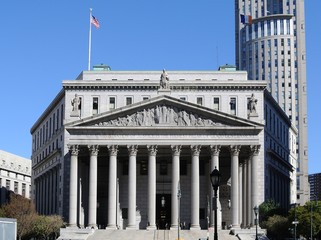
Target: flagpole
point(89, 46)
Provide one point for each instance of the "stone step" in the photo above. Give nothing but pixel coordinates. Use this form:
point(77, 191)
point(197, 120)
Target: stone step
point(106, 234)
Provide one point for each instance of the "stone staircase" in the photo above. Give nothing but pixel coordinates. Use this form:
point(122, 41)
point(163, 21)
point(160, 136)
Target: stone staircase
point(103, 234)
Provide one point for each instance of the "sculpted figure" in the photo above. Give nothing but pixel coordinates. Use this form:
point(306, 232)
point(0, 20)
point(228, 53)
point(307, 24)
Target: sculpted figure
point(252, 104)
point(75, 102)
point(164, 80)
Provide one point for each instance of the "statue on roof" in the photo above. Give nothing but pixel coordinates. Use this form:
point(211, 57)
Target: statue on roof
point(164, 80)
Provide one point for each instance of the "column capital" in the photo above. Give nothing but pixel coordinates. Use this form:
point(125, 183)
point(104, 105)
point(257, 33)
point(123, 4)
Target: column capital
point(132, 150)
point(176, 149)
point(113, 150)
point(152, 150)
point(235, 150)
point(196, 149)
point(93, 149)
point(215, 150)
point(255, 149)
point(73, 149)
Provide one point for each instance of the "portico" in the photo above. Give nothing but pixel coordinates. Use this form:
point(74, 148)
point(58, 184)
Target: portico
point(126, 157)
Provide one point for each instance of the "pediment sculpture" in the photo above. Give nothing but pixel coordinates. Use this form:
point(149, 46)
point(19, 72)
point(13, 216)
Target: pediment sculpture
point(161, 115)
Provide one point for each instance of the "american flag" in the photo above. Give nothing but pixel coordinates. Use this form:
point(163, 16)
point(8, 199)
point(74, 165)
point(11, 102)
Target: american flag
point(95, 21)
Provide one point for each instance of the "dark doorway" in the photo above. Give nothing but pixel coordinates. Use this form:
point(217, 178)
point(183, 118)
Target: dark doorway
point(163, 211)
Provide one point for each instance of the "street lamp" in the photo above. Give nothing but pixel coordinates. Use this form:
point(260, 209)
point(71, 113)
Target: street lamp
point(256, 211)
point(215, 180)
point(295, 222)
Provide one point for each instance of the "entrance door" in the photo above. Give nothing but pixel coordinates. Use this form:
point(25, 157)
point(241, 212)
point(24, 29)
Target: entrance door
point(163, 211)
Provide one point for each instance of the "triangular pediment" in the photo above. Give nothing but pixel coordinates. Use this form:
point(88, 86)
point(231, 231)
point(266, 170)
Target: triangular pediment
point(163, 111)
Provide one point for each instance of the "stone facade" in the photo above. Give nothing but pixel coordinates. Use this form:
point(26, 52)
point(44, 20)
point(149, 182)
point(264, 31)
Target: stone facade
point(118, 144)
point(15, 175)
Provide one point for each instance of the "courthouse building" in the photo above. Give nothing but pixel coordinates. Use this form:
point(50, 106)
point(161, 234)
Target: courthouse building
point(15, 175)
point(114, 147)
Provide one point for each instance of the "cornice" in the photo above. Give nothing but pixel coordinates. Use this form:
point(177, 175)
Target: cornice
point(139, 85)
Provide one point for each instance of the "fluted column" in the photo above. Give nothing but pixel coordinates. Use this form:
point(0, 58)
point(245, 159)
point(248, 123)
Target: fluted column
point(50, 189)
point(73, 185)
point(152, 150)
point(175, 179)
point(235, 150)
point(112, 188)
point(245, 189)
point(215, 153)
point(132, 149)
point(240, 194)
point(255, 149)
point(195, 187)
point(92, 208)
point(249, 197)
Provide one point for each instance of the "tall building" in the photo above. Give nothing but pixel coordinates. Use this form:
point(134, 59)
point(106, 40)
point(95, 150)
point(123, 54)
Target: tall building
point(15, 175)
point(270, 45)
point(315, 186)
point(113, 148)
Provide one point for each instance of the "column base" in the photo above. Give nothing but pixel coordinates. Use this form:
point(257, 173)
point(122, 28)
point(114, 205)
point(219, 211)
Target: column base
point(111, 227)
point(92, 226)
point(72, 226)
point(132, 227)
point(174, 227)
point(195, 227)
point(151, 227)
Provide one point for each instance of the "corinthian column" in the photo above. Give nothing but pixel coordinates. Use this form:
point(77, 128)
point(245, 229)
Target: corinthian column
point(92, 203)
point(132, 149)
point(152, 150)
point(73, 185)
point(255, 149)
point(235, 150)
point(112, 188)
point(176, 150)
point(195, 187)
point(215, 153)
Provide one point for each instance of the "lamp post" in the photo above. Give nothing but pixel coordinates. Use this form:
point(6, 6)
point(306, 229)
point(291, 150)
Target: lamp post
point(215, 180)
point(256, 210)
point(295, 222)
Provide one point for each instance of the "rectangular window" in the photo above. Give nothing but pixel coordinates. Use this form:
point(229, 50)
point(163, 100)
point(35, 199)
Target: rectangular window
point(95, 105)
point(62, 115)
point(233, 105)
point(199, 101)
point(216, 102)
point(16, 187)
point(129, 100)
point(145, 98)
point(8, 184)
point(112, 103)
point(183, 98)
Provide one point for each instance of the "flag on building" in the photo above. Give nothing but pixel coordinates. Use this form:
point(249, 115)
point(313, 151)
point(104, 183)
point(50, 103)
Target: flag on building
point(246, 19)
point(95, 21)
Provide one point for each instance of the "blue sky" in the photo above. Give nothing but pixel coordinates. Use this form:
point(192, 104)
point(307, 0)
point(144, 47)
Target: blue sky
point(45, 42)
